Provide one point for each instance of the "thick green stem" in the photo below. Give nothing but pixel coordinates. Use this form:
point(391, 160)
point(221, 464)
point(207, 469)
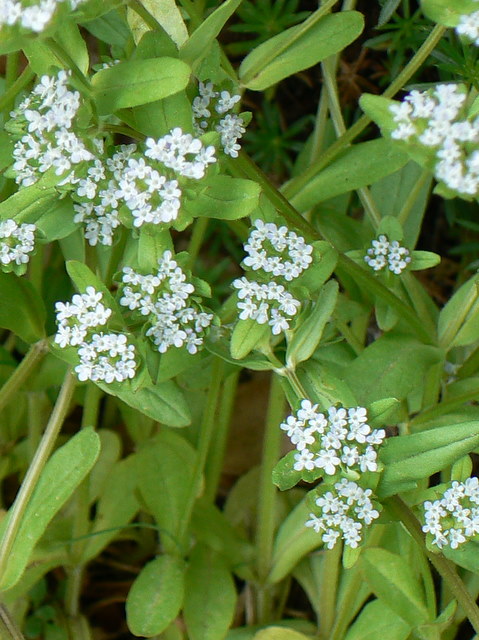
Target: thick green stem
point(444, 567)
point(91, 408)
point(217, 454)
point(32, 476)
point(35, 354)
point(267, 495)
point(330, 571)
point(297, 184)
point(207, 428)
point(8, 628)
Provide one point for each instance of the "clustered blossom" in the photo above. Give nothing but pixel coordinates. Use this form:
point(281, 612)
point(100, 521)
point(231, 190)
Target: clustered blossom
point(469, 27)
point(210, 110)
point(103, 356)
point(16, 242)
point(454, 518)
point(434, 119)
point(343, 439)
point(165, 299)
point(43, 125)
point(34, 16)
point(146, 182)
point(343, 513)
point(267, 247)
point(385, 254)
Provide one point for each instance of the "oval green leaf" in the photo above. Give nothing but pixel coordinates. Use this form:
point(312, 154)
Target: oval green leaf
point(156, 596)
point(299, 47)
point(136, 82)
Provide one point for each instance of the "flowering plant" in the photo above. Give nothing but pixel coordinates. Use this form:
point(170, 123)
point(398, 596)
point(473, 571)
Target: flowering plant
point(154, 279)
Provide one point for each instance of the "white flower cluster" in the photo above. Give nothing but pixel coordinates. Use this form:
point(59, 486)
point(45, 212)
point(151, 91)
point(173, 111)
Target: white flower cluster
point(45, 119)
point(384, 253)
point(16, 242)
point(469, 27)
point(268, 243)
point(209, 109)
point(165, 298)
point(269, 302)
point(454, 518)
point(32, 16)
point(103, 357)
point(343, 439)
point(266, 303)
point(433, 119)
point(343, 512)
point(149, 190)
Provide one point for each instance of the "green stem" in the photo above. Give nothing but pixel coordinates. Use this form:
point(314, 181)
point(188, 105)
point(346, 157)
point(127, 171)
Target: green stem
point(17, 87)
point(410, 201)
point(216, 457)
point(91, 406)
point(329, 77)
point(65, 59)
point(196, 240)
point(267, 495)
point(34, 355)
point(297, 184)
point(32, 476)
point(444, 567)
point(207, 428)
point(8, 628)
point(330, 571)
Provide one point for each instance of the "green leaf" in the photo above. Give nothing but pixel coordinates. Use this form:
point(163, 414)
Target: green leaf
point(209, 590)
point(424, 260)
point(220, 346)
point(391, 367)
point(247, 334)
point(447, 13)
point(279, 633)
point(378, 109)
point(22, 310)
point(224, 198)
point(307, 336)
point(210, 527)
point(299, 47)
point(157, 118)
point(459, 320)
point(165, 469)
point(166, 13)
point(378, 621)
point(394, 582)
point(156, 596)
point(136, 82)
point(163, 402)
point(197, 46)
point(285, 475)
point(419, 455)
point(394, 192)
point(293, 542)
point(109, 28)
point(117, 505)
point(83, 277)
point(62, 474)
point(360, 165)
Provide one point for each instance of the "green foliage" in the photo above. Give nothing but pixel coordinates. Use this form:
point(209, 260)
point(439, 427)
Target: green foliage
point(122, 147)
